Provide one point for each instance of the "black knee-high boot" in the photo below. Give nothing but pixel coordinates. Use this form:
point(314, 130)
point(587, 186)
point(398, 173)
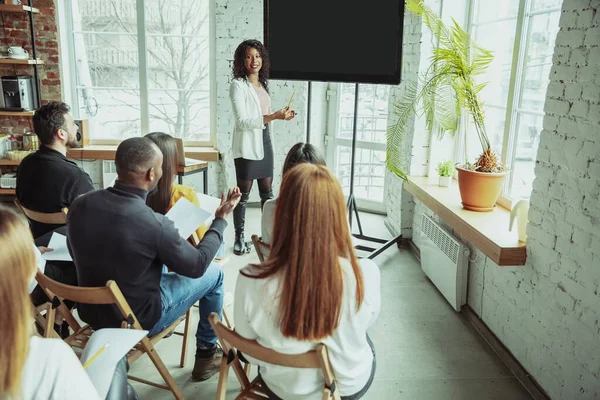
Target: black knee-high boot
point(239, 219)
point(264, 196)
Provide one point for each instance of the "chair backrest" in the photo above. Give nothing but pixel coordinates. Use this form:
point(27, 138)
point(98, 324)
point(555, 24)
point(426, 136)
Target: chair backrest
point(262, 249)
point(57, 218)
point(109, 294)
point(317, 358)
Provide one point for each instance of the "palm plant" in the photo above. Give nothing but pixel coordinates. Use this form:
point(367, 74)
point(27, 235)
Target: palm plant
point(444, 91)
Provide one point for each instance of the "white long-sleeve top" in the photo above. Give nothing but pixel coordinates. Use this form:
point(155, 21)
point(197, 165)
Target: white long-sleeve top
point(53, 372)
point(248, 117)
point(255, 314)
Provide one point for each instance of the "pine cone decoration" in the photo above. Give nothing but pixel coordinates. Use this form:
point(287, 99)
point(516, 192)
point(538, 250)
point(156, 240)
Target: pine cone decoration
point(488, 162)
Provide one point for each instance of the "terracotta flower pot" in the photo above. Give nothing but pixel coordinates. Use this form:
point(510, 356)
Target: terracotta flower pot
point(479, 191)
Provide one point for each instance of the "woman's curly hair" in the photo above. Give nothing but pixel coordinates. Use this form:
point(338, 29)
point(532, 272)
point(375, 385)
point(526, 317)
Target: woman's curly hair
point(239, 69)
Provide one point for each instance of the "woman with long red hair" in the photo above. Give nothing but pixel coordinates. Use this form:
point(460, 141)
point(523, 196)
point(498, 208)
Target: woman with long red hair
point(311, 290)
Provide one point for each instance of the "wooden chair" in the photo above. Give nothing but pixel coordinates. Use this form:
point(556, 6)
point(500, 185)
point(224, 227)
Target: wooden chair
point(57, 218)
point(111, 294)
point(262, 249)
point(230, 341)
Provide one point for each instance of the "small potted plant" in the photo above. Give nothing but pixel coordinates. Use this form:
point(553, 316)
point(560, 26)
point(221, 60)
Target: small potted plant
point(446, 171)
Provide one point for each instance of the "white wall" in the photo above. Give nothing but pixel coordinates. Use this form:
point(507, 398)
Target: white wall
point(547, 313)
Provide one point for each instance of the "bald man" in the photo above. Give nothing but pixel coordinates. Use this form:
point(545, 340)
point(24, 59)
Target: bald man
point(113, 235)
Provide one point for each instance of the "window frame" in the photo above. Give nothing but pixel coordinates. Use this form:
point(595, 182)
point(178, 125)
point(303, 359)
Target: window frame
point(70, 86)
point(515, 89)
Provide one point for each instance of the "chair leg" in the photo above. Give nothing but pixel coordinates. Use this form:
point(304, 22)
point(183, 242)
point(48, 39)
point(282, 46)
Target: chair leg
point(50, 314)
point(247, 369)
point(162, 369)
point(222, 386)
point(186, 334)
point(226, 318)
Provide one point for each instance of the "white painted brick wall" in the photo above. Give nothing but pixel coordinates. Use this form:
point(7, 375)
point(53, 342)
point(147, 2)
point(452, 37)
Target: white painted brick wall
point(547, 313)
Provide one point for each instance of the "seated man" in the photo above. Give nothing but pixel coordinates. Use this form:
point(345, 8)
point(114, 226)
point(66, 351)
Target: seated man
point(113, 235)
point(46, 180)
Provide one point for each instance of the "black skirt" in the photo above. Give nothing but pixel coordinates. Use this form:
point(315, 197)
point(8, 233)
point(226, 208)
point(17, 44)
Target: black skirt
point(248, 170)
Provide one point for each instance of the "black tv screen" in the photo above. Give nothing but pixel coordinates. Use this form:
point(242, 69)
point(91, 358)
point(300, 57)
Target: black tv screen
point(356, 41)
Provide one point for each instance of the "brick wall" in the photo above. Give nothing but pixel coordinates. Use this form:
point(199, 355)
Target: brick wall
point(15, 32)
point(547, 313)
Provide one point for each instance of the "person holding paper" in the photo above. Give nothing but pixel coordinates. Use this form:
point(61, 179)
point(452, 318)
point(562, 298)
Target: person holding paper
point(298, 154)
point(31, 367)
point(311, 290)
point(168, 192)
point(252, 147)
point(113, 235)
point(46, 180)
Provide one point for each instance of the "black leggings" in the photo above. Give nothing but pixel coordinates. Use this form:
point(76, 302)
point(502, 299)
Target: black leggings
point(265, 185)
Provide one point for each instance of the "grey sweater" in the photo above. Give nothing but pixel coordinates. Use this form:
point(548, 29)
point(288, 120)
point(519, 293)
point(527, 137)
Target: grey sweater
point(113, 235)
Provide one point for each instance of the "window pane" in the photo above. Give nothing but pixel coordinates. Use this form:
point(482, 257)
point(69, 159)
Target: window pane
point(104, 16)
point(372, 112)
point(527, 141)
point(184, 114)
point(116, 113)
point(487, 11)
point(178, 60)
point(107, 67)
point(545, 4)
point(536, 71)
point(369, 172)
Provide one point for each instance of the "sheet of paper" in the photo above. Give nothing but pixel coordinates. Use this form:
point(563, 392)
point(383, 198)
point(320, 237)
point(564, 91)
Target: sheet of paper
point(209, 204)
point(118, 342)
point(191, 161)
point(187, 217)
point(41, 264)
point(58, 242)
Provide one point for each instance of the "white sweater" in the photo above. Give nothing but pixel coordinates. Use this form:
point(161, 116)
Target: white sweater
point(53, 372)
point(255, 314)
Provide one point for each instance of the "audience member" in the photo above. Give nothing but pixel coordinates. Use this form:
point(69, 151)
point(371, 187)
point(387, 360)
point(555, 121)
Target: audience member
point(311, 290)
point(113, 235)
point(46, 180)
point(169, 192)
point(30, 367)
point(298, 154)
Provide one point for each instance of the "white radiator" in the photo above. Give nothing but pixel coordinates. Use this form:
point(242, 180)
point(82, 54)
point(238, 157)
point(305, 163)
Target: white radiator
point(109, 173)
point(445, 261)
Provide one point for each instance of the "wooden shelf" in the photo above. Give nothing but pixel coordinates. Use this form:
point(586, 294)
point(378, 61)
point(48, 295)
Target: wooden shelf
point(17, 113)
point(487, 231)
point(18, 8)
point(10, 192)
point(5, 161)
point(21, 62)
point(107, 152)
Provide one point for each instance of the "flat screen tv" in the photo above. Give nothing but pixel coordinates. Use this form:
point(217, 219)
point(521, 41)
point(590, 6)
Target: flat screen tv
point(358, 41)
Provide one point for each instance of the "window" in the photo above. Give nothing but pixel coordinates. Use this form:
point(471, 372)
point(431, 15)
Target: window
point(517, 81)
point(141, 66)
point(369, 166)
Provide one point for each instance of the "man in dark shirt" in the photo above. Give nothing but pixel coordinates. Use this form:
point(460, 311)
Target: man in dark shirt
point(113, 235)
point(46, 180)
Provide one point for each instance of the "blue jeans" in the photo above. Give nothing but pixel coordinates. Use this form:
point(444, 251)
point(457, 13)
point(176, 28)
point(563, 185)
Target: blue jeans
point(179, 293)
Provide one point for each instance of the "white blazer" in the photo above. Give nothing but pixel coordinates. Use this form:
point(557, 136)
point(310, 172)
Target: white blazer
point(247, 132)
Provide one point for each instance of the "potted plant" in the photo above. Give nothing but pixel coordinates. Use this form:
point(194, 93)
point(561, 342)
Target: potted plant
point(444, 92)
point(446, 171)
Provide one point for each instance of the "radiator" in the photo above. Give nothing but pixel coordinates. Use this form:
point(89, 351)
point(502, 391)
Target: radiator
point(109, 173)
point(445, 261)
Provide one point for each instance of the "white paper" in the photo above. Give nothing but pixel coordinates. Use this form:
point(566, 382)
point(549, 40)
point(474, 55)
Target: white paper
point(41, 264)
point(102, 368)
point(187, 217)
point(191, 161)
point(209, 204)
point(60, 251)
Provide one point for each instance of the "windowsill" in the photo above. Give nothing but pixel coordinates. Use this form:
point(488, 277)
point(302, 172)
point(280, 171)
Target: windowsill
point(107, 152)
point(487, 231)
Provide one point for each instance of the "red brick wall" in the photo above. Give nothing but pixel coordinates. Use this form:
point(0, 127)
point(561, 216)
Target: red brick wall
point(15, 32)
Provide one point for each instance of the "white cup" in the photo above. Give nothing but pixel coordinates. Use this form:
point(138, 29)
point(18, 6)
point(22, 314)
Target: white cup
point(16, 50)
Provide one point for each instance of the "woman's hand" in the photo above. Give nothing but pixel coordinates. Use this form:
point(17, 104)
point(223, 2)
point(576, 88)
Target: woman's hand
point(43, 249)
point(280, 114)
point(289, 114)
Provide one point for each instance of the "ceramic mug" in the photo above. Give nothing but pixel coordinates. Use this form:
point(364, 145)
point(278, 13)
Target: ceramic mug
point(17, 51)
